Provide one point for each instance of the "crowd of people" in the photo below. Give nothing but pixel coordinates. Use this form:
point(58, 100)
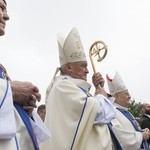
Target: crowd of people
point(72, 118)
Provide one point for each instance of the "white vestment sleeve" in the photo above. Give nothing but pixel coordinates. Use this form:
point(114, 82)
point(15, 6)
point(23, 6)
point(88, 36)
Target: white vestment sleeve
point(128, 139)
point(7, 118)
point(106, 111)
point(41, 131)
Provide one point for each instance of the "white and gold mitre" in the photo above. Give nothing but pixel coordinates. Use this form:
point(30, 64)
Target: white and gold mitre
point(116, 84)
point(70, 49)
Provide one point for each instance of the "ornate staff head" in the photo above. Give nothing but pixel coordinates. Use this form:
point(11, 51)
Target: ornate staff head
point(98, 49)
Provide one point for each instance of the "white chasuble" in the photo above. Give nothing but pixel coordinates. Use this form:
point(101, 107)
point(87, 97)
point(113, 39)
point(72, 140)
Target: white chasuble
point(128, 138)
point(70, 116)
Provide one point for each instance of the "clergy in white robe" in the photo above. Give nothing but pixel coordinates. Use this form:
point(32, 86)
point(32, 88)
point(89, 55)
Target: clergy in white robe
point(125, 132)
point(77, 120)
point(17, 130)
point(125, 127)
point(71, 117)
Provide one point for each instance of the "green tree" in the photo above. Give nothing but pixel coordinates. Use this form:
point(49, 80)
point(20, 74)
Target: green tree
point(135, 109)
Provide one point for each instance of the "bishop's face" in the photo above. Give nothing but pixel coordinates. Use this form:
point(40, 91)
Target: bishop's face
point(123, 98)
point(79, 70)
point(3, 17)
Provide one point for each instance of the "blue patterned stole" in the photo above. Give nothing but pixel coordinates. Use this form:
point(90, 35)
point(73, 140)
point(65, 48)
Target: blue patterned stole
point(135, 125)
point(25, 118)
point(114, 139)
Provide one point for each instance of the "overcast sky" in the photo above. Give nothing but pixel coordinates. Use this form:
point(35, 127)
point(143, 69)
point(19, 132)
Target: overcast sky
point(29, 48)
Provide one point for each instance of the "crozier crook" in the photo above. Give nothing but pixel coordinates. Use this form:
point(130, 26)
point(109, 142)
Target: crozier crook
point(98, 49)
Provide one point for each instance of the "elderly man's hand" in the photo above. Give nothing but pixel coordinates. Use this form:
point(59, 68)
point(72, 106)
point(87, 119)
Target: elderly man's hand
point(25, 93)
point(98, 80)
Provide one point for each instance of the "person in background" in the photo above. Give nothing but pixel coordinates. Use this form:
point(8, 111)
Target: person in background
point(126, 129)
point(145, 120)
point(17, 100)
point(77, 120)
point(41, 110)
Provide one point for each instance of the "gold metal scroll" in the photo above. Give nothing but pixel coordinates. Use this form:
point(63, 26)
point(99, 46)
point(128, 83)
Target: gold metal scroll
point(98, 49)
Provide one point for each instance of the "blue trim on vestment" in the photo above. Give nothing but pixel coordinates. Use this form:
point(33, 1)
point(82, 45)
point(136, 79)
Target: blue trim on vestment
point(4, 95)
point(117, 144)
point(24, 115)
point(79, 119)
point(1, 73)
point(129, 116)
point(16, 141)
point(2, 77)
